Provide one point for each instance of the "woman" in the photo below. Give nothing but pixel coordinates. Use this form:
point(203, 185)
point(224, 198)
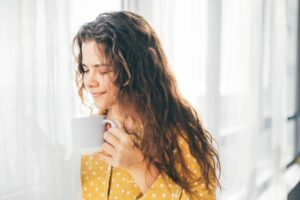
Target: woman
point(160, 149)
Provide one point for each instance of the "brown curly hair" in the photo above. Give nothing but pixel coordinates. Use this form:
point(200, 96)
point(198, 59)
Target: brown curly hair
point(149, 93)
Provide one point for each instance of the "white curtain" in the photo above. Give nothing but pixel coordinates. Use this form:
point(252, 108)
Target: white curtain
point(38, 96)
point(229, 59)
point(36, 100)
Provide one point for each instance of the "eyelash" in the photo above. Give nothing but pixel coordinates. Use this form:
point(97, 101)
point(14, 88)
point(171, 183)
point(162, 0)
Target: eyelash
point(85, 71)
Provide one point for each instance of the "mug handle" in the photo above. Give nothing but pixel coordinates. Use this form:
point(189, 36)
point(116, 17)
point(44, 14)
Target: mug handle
point(109, 124)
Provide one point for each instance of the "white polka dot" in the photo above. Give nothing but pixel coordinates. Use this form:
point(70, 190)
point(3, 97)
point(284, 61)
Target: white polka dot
point(201, 195)
point(96, 189)
point(96, 163)
point(128, 192)
point(164, 195)
point(154, 195)
point(118, 174)
point(116, 197)
point(122, 191)
point(90, 194)
point(161, 185)
point(98, 178)
point(102, 194)
point(103, 183)
point(91, 184)
point(84, 188)
point(86, 178)
point(101, 167)
point(112, 180)
point(90, 167)
point(118, 185)
point(123, 179)
point(83, 172)
point(94, 173)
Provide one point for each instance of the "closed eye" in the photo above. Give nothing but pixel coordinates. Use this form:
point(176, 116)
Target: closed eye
point(104, 69)
point(103, 72)
point(101, 68)
point(85, 70)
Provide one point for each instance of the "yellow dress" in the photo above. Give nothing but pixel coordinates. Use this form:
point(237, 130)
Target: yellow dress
point(103, 182)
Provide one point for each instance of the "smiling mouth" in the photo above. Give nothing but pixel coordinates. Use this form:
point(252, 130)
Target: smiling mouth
point(97, 94)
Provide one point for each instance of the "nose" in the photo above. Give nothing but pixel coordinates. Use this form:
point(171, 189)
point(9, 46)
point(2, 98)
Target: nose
point(90, 79)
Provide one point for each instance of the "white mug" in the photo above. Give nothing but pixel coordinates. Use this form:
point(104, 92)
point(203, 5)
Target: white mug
point(87, 133)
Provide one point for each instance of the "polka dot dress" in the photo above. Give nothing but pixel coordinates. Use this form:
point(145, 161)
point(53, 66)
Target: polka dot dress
point(102, 182)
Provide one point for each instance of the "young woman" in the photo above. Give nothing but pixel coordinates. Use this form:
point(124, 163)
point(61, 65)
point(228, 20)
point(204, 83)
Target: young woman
point(160, 149)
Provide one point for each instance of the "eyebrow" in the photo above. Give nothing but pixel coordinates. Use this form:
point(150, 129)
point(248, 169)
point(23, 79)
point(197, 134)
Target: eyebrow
point(98, 65)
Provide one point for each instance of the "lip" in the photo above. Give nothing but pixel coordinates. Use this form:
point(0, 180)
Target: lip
point(97, 94)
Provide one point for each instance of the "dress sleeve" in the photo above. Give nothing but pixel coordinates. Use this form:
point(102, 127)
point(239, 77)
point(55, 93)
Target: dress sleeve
point(165, 188)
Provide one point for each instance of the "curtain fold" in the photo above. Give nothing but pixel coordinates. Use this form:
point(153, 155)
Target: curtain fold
point(36, 101)
point(229, 59)
point(233, 71)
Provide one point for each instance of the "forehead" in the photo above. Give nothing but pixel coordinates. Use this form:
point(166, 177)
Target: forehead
point(93, 53)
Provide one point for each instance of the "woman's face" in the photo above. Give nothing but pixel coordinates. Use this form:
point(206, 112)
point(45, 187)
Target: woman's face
point(99, 76)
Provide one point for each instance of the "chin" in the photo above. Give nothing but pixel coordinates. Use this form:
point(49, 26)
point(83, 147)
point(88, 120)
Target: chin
point(99, 106)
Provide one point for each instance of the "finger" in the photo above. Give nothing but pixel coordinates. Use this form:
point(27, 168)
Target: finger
point(106, 147)
point(98, 154)
point(111, 139)
point(118, 134)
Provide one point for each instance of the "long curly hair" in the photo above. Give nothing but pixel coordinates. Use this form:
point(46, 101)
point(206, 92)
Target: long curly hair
point(148, 93)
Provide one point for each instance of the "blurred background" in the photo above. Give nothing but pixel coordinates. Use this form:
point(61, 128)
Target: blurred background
point(236, 61)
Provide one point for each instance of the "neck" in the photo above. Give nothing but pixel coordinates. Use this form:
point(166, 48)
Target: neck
point(114, 113)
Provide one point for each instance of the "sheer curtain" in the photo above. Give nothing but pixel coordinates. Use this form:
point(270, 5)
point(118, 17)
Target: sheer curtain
point(38, 96)
point(181, 27)
point(229, 59)
point(36, 100)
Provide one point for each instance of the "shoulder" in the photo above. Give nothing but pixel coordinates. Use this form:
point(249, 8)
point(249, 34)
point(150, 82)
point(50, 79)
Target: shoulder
point(188, 159)
point(190, 162)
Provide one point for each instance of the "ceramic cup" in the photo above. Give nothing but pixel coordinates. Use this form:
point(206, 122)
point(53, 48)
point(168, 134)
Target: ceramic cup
point(87, 133)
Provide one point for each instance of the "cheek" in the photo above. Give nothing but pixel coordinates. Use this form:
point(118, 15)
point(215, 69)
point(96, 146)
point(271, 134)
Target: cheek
point(108, 83)
point(113, 91)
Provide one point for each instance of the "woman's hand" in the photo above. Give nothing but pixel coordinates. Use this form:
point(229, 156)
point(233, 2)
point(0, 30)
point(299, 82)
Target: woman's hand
point(118, 150)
